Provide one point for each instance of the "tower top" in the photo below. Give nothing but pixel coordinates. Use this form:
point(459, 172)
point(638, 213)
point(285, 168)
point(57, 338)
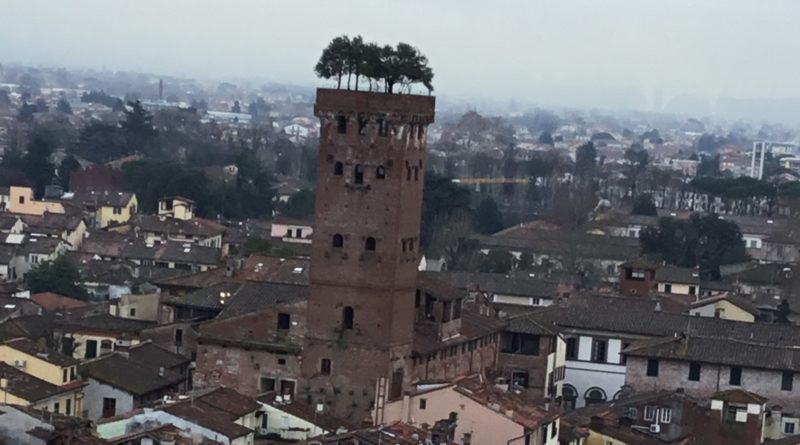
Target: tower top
point(412, 107)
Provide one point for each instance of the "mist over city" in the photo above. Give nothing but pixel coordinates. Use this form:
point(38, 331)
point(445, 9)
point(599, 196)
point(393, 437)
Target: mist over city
point(419, 223)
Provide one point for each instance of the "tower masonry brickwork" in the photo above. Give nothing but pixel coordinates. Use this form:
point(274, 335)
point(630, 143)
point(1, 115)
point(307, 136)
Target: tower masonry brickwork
point(363, 276)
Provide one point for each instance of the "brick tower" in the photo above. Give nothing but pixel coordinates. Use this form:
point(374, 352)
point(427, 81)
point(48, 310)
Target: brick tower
point(360, 316)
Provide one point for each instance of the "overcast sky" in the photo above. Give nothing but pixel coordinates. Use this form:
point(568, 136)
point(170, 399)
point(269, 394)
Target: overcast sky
point(638, 53)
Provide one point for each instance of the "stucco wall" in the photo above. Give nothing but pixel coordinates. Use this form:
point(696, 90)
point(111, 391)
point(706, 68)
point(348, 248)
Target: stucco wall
point(713, 378)
point(728, 311)
point(95, 391)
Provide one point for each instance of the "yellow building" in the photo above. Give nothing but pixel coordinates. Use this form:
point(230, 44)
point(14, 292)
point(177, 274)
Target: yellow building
point(20, 200)
point(176, 207)
point(38, 377)
point(596, 438)
point(725, 306)
point(108, 208)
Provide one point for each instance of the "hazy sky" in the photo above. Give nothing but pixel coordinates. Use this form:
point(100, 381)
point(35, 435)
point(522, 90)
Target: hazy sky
point(576, 52)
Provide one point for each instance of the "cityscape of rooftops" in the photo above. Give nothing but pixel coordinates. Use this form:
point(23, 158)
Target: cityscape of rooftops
point(372, 223)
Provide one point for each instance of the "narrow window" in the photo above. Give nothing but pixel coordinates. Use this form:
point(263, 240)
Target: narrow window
point(338, 169)
point(405, 244)
point(665, 415)
point(132, 312)
point(423, 403)
point(694, 372)
point(267, 384)
point(109, 407)
point(380, 172)
point(341, 124)
point(652, 367)
point(362, 125)
point(22, 200)
point(68, 407)
point(736, 376)
point(787, 381)
point(284, 320)
point(416, 173)
point(64, 375)
point(178, 337)
point(358, 174)
point(408, 173)
point(447, 311)
point(457, 309)
point(572, 348)
point(338, 241)
point(383, 127)
point(420, 131)
point(369, 245)
point(325, 366)
point(56, 407)
point(599, 351)
point(347, 317)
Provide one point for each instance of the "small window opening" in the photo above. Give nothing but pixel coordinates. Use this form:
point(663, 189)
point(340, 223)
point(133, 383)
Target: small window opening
point(362, 125)
point(338, 169)
point(338, 241)
point(383, 127)
point(325, 367)
point(370, 244)
point(284, 320)
point(380, 172)
point(347, 317)
point(341, 124)
point(358, 174)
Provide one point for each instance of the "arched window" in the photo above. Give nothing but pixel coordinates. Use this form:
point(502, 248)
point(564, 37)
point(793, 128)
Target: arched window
point(594, 396)
point(380, 172)
point(370, 244)
point(325, 366)
point(338, 241)
point(338, 169)
point(347, 317)
point(568, 397)
point(358, 174)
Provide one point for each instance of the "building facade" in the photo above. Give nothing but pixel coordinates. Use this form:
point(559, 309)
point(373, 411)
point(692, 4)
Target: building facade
point(364, 258)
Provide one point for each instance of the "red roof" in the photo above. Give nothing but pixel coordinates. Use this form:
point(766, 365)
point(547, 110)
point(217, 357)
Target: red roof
point(51, 301)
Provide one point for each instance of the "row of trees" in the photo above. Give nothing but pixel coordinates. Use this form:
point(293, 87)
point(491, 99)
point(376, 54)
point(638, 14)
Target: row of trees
point(354, 59)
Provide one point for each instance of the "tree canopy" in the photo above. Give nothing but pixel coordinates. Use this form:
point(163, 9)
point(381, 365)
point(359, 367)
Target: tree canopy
point(643, 205)
point(488, 218)
point(300, 205)
point(402, 65)
point(706, 242)
point(59, 276)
